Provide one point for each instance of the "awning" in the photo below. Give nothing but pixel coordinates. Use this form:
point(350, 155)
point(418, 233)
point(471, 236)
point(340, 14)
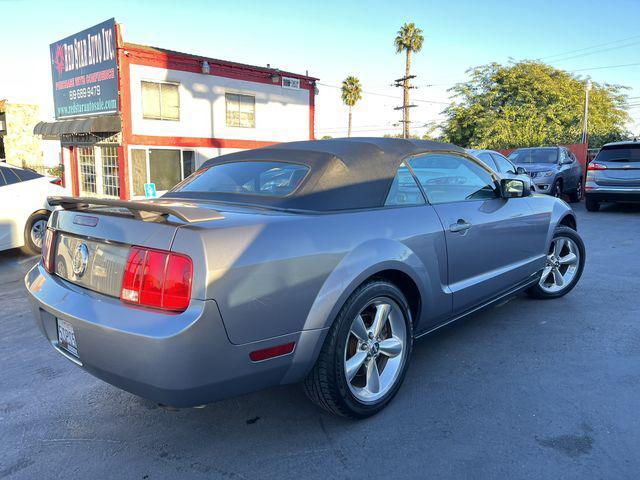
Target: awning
point(98, 124)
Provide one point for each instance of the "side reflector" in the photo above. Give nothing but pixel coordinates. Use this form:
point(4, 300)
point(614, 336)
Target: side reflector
point(272, 352)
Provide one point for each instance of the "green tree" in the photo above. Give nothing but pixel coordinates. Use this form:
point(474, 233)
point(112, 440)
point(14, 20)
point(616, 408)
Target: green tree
point(530, 103)
point(351, 93)
point(408, 39)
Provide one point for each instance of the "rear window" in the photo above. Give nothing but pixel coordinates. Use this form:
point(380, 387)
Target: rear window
point(26, 174)
point(274, 179)
point(10, 176)
point(619, 153)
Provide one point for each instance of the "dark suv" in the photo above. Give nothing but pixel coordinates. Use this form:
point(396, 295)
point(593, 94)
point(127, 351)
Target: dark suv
point(614, 175)
point(554, 170)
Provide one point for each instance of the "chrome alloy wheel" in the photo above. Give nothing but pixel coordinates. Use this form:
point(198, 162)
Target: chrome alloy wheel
point(375, 350)
point(563, 260)
point(37, 232)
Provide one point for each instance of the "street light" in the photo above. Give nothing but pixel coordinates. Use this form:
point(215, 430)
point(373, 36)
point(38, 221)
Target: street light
point(587, 89)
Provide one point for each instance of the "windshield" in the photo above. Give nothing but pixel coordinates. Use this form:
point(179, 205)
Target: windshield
point(275, 179)
point(621, 153)
point(534, 155)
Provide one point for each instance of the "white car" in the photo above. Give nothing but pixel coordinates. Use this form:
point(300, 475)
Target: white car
point(24, 210)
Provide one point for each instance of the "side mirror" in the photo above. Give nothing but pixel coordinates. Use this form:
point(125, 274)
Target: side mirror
point(520, 171)
point(514, 188)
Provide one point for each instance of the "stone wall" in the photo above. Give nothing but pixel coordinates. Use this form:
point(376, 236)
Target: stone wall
point(22, 148)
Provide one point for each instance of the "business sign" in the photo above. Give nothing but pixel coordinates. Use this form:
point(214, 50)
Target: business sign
point(85, 72)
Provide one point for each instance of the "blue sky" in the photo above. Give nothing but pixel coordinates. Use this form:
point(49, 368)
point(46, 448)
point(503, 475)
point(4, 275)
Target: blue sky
point(334, 39)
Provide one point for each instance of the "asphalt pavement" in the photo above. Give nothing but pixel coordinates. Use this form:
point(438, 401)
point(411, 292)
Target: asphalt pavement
point(529, 389)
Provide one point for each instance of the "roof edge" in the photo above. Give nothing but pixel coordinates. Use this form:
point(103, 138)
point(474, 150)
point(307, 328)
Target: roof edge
point(159, 50)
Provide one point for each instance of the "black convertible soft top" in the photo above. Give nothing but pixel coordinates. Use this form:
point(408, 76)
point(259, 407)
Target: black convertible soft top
point(345, 173)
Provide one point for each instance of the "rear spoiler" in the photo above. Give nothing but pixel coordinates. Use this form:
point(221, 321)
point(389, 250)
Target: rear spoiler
point(142, 210)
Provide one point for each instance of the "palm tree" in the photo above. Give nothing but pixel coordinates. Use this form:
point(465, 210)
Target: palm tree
point(409, 39)
point(351, 93)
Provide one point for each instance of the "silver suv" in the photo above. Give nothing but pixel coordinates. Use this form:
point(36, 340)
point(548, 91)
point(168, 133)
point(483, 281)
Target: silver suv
point(554, 170)
point(614, 175)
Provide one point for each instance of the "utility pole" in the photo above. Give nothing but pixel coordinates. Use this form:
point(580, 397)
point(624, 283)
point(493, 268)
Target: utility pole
point(404, 83)
point(587, 89)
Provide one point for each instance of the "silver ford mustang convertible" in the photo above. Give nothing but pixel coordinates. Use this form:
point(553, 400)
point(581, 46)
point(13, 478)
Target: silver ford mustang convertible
point(315, 262)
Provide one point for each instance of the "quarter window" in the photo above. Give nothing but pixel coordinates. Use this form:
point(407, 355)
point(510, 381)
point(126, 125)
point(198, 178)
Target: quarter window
point(241, 110)
point(404, 189)
point(450, 178)
point(160, 101)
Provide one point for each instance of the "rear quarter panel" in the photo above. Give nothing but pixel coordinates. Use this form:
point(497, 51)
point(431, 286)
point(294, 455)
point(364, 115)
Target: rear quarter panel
point(276, 274)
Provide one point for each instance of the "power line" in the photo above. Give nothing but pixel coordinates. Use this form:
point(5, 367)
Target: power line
point(386, 95)
point(589, 48)
point(594, 53)
point(607, 66)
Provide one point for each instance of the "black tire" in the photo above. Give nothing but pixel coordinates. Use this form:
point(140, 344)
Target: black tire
point(326, 385)
point(536, 291)
point(592, 205)
point(557, 189)
point(576, 196)
point(30, 246)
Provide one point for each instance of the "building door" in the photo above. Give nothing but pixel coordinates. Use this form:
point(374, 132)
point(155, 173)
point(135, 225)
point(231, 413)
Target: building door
point(98, 171)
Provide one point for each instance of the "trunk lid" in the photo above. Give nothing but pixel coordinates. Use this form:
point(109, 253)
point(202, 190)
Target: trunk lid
point(93, 236)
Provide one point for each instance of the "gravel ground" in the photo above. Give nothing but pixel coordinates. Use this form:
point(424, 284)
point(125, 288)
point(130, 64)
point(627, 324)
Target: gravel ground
point(529, 389)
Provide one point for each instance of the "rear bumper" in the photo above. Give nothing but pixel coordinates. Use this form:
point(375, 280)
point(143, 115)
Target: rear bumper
point(177, 359)
point(612, 194)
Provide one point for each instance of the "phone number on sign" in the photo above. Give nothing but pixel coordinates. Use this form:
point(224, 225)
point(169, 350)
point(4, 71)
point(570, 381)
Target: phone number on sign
point(84, 92)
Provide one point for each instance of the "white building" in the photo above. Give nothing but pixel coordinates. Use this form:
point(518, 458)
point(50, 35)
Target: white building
point(174, 111)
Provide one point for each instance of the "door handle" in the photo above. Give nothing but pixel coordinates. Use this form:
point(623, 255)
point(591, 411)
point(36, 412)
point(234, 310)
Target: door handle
point(460, 226)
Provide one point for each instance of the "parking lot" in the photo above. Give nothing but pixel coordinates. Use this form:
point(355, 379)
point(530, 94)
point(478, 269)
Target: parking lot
point(529, 389)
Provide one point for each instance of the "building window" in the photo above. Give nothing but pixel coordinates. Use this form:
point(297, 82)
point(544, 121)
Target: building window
point(87, 161)
point(99, 171)
point(138, 171)
point(110, 173)
point(163, 167)
point(188, 163)
point(160, 101)
point(241, 110)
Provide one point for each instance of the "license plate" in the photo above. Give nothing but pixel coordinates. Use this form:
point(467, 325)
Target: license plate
point(67, 337)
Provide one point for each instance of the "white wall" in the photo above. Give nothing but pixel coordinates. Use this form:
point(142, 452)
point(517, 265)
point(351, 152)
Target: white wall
point(281, 114)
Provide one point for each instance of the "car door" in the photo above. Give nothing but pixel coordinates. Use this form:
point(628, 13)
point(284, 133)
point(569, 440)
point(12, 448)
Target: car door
point(567, 170)
point(492, 243)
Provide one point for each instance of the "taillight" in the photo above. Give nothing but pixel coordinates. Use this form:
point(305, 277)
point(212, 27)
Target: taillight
point(157, 279)
point(596, 166)
point(48, 244)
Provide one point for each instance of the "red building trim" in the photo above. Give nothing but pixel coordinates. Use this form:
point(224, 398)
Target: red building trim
point(159, 141)
point(124, 92)
point(75, 177)
point(312, 114)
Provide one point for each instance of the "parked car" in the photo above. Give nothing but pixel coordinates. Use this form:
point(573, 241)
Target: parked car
point(554, 170)
point(614, 175)
point(233, 282)
point(500, 163)
point(24, 210)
